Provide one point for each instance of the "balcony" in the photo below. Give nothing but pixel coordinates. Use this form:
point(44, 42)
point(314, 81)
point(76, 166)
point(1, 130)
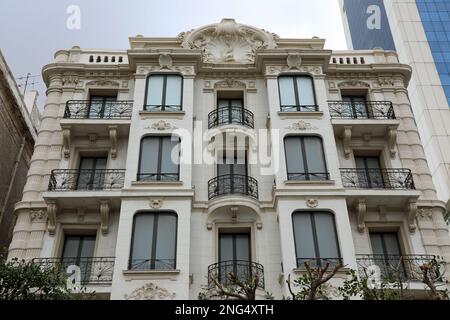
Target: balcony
point(162, 108)
point(308, 176)
point(318, 262)
point(94, 271)
point(230, 115)
point(106, 110)
point(243, 270)
point(299, 108)
point(154, 177)
point(232, 184)
point(392, 179)
point(378, 110)
point(151, 264)
point(397, 267)
point(86, 180)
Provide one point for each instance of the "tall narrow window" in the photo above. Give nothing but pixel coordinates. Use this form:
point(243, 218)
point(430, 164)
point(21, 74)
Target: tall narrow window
point(159, 159)
point(164, 92)
point(315, 238)
point(305, 158)
point(297, 93)
point(154, 241)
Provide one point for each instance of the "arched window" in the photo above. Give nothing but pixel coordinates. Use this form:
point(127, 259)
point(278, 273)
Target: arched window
point(315, 238)
point(164, 92)
point(154, 241)
point(159, 159)
point(297, 93)
point(305, 159)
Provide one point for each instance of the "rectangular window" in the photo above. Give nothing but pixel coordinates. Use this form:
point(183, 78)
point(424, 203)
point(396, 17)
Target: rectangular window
point(91, 175)
point(355, 107)
point(154, 241)
point(297, 93)
point(159, 159)
point(79, 250)
point(164, 92)
point(305, 158)
point(101, 107)
point(315, 239)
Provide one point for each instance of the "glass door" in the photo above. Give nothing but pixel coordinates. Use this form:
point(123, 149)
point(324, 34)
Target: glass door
point(369, 172)
point(91, 175)
point(101, 107)
point(234, 256)
point(387, 254)
point(232, 173)
point(230, 111)
point(79, 250)
point(355, 107)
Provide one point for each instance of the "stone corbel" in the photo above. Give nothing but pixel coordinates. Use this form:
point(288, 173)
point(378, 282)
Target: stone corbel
point(113, 141)
point(51, 213)
point(392, 140)
point(104, 216)
point(361, 209)
point(347, 137)
point(412, 212)
point(66, 142)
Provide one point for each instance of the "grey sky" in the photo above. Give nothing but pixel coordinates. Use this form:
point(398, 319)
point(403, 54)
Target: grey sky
point(32, 30)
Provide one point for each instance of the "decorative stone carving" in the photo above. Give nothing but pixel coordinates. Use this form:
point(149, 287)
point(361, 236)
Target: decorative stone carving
point(353, 84)
point(165, 61)
point(51, 213)
point(276, 70)
point(185, 70)
point(38, 215)
point(392, 140)
point(259, 225)
point(425, 213)
point(156, 203)
point(312, 203)
point(294, 61)
point(150, 291)
point(161, 126)
point(412, 212)
point(386, 82)
point(66, 142)
point(69, 80)
point(104, 216)
point(81, 213)
point(230, 83)
point(92, 138)
point(234, 212)
point(113, 141)
point(301, 125)
point(361, 209)
point(103, 83)
point(209, 226)
point(347, 137)
point(228, 42)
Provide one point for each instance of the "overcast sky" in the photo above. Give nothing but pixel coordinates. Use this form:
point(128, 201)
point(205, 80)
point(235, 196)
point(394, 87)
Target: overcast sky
point(31, 31)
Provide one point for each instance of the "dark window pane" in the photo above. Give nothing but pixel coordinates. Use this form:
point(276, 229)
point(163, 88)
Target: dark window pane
point(142, 237)
point(305, 91)
point(155, 90)
point(326, 235)
point(149, 155)
point(173, 90)
point(314, 156)
point(294, 156)
point(287, 92)
point(304, 239)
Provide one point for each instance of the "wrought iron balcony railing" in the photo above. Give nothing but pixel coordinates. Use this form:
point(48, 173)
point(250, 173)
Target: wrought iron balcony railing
point(93, 270)
point(397, 267)
point(158, 176)
point(243, 270)
point(66, 180)
point(318, 262)
point(398, 179)
point(232, 184)
point(361, 110)
point(308, 176)
point(230, 115)
point(151, 264)
point(91, 109)
point(299, 108)
point(158, 108)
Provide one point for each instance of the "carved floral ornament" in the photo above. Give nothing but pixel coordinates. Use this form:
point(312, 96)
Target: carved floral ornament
point(161, 126)
point(228, 42)
point(301, 125)
point(38, 215)
point(150, 291)
point(276, 70)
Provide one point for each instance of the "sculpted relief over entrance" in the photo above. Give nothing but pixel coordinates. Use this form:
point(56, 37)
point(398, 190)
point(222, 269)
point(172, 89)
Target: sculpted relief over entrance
point(228, 42)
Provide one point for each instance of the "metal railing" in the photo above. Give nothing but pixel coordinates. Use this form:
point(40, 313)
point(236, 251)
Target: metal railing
point(66, 180)
point(230, 115)
point(93, 270)
point(232, 184)
point(151, 264)
point(88, 109)
point(318, 262)
point(308, 176)
point(361, 110)
point(397, 267)
point(243, 270)
point(398, 179)
point(299, 108)
point(157, 108)
point(158, 176)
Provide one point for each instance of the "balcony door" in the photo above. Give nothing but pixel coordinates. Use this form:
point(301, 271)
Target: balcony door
point(387, 253)
point(234, 255)
point(369, 172)
point(91, 175)
point(230, 111)
point(355, 106)
point(79, 250)
point(101, 107)
point(232, 174)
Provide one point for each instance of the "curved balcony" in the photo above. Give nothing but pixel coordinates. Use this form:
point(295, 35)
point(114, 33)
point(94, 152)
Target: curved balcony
point(230, 115)
point(393, 179)
point(243, 270)
point(71, 180)
point(97, 271)
point(394, 267)
point(232, 184)
point(108, 110)
point(378, 110)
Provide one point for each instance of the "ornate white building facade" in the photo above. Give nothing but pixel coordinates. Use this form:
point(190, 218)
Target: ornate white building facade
point(341, 177)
